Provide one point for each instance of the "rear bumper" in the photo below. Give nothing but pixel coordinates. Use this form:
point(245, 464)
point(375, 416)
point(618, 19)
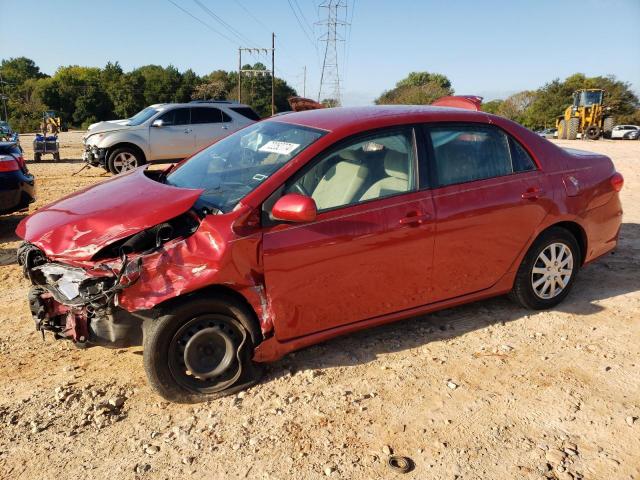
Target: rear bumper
point(17, 191)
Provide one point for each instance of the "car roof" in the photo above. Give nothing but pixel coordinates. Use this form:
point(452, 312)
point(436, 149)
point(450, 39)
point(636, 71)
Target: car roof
point(7, 145)
point(334, 119)
point(225, 103)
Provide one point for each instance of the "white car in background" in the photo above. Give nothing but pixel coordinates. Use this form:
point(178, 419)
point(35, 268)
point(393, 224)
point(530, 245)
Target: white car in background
point(619, 131)
point(166, 131)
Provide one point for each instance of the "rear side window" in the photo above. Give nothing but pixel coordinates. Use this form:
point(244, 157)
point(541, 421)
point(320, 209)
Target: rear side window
point(467, 153)
point(246, 112)
point(205, 115)
point(177, 116)
point(522, 162)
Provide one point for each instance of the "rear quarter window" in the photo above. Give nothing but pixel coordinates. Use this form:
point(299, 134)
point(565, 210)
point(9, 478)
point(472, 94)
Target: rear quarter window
point(246, 112)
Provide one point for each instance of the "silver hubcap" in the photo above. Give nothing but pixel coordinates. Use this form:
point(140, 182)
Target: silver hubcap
point(125, 161)
point(552, 271)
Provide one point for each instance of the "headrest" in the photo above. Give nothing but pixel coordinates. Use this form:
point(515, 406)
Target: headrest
point(396, 165)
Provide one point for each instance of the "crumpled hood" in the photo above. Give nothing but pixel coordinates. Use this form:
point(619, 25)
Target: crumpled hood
point(106, 127)
point(79, 225)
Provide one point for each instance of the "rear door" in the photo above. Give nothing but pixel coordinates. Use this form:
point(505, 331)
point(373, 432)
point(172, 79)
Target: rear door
point(209, 124)
point(369, 251)
point(489, 199)
point(174, 139)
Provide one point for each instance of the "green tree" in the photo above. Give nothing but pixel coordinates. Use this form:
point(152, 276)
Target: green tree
point(492, 107)
point(515, 106)
point(418, 88)
point(17, 70)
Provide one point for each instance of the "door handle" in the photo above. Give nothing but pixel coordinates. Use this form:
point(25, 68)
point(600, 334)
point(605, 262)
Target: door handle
point(187, 130)
point(533, 193)
point(224, 127)
point(415, 218)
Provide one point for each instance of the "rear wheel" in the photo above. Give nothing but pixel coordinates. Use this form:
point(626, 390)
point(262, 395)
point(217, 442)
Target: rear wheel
point(572, 129)
point(200, 350)
point(37, 157)
point(562, 130)
point(56, 157)
point(548, 270)
point(607, 127)
point(124, 159)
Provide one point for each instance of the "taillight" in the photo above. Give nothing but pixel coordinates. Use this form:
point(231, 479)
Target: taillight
point(8, 164)
point(617, 181)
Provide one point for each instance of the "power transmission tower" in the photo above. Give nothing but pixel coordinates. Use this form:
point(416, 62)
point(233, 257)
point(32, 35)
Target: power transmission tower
point(330, 76)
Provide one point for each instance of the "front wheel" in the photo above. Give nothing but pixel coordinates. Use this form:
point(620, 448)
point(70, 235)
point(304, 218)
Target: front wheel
point(200, 350)
point(124, 159)
point(548, 270)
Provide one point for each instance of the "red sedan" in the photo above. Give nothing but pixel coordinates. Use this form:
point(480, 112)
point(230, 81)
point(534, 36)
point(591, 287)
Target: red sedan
point(311, 225)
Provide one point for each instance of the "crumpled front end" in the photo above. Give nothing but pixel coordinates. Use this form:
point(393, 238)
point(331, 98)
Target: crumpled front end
point(78, 304)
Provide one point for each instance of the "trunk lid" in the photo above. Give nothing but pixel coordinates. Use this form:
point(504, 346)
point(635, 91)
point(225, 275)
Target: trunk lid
point(79, 225)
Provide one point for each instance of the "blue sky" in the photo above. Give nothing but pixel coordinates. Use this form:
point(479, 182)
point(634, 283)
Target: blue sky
point(491, 48)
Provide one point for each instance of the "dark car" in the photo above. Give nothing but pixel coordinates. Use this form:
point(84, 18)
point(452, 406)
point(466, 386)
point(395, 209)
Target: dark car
point(17, 185)
point(310, 225)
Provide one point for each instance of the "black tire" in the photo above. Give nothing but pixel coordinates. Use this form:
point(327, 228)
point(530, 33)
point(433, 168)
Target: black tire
point(37, 157)
point(186, 350)
point(607, 127)
point(572, 129)
point(562, 130)
point(523, 291)
point(124, 159)
point(592, 132)
point(56, 157)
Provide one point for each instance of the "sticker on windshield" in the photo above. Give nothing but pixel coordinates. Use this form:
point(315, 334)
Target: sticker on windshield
point(281, 148)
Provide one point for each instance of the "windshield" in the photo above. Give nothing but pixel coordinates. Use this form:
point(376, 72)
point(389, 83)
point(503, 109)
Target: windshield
point(142, 116)
point(231, 168)
point(589, 98)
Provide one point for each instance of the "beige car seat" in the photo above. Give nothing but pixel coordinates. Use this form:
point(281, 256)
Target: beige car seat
point(396, 166)
point(342, 182)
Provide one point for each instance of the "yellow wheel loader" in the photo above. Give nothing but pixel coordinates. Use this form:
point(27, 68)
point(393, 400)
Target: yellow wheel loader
point(587, 116)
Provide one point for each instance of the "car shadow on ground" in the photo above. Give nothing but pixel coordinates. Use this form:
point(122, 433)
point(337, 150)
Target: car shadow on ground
point(8, 224)
point(611, 276)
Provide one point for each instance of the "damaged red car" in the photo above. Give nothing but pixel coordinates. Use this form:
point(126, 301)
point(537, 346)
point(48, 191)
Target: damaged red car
point(311, 225)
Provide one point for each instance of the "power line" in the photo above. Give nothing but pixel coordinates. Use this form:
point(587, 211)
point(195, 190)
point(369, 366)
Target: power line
point(306, 34)
point(221, 21)
point(202, 22)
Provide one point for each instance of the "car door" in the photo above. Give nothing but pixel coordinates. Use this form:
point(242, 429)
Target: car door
point(489, 199)
point(369, 251)
point(617, 132)
point(209, 124)
point(174, 138)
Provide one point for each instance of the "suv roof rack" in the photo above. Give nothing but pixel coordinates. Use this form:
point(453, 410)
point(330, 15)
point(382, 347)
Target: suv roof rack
point(213, 101)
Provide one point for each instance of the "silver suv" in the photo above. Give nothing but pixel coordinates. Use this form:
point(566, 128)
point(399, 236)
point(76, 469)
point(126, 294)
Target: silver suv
point(165, 131)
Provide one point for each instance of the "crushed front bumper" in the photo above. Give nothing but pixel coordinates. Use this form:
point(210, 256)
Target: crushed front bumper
point(95, 156)
point(74, 305)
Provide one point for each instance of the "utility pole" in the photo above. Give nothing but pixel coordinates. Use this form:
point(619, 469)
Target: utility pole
point(4, 98)
point(273, 73)
point(239, 75)
point(259, 72)
point(304, 82)
point(330, 76)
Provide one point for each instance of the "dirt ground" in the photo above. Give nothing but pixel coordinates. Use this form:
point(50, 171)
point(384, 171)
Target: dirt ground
point(483, 391)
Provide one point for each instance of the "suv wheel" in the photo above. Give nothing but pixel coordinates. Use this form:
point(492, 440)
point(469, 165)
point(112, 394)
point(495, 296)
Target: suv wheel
point(124, 159)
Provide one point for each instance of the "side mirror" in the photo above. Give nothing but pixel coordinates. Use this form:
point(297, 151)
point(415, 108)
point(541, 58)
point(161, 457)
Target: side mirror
point(157, 123)
point(294, 207)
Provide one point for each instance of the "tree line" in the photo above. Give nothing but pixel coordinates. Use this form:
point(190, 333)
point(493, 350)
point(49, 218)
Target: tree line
point(84, 95)
point(534, 109)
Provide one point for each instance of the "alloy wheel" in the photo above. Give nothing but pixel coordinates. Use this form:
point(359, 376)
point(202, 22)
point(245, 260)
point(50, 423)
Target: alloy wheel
point(552, 270)
point(124, 162)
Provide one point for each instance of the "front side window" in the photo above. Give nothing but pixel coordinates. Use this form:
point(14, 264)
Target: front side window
point(467, 153)
point(233, 167)
point(177, 116)
point(363, 169)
